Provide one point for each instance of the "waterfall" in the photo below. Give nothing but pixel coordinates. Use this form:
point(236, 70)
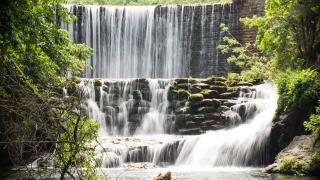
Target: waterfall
point(137, 109)
point(152, 41)
point(237, 146)
point(128, 106)
point(137, 51)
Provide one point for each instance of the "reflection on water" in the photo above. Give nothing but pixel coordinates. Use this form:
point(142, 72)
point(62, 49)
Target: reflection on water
point(181, 173)
point(199, 174)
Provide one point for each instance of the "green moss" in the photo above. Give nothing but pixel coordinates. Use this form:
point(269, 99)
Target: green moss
point(220, 89)
point(219, 81)
point(205, 92)
point(235, 88)
point(295, 165)
point(196, 98)
point(314, 168)
point(97, 83)
point(183, 94)
point(286, 166)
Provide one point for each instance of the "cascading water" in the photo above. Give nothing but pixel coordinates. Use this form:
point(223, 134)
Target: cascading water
point(237, 146)
point(124, 107)
point(136, 117)
point(241, 145)
point(152, 41)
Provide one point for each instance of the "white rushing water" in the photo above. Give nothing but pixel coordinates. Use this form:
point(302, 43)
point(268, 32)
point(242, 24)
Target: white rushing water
point(117, 103)
point(150, 41)
point(234, 147)
point(149, 142)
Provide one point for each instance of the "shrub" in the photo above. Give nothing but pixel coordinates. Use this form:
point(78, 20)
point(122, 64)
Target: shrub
point(298, 89)
point(313, 124)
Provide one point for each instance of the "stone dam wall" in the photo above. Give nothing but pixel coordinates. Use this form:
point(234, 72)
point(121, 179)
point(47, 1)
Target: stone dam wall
point(180, 39)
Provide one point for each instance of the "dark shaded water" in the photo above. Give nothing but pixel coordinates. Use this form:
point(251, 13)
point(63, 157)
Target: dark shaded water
point(200, 174)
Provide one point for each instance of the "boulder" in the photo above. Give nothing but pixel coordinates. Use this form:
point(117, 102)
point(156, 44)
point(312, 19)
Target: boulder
point(191, 124)
point(215, 80)
point(172, 95)
point(195, 98)
point(203, 86)
point(210, 94)
point(165, 176)
point(232, 89)
point(184, 86)
point(208, 123)
point(300, 158)
point(136, 95)
point(97, 83)
point(212, 116)
point(217, 127)
point(223, 108)
point(195, 89)
point(183, 95)
point(230, 95)
point(244, 84)
point(182, 119)
point(220, 89)
point(210, 109)
point(182, 80)
point(198, 118)
point(210, 102)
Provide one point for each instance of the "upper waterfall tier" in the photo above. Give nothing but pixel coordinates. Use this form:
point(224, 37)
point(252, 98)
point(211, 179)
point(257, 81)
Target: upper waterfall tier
point(154, 41)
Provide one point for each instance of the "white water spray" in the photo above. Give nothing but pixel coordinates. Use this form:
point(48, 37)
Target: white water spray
point(234, 147)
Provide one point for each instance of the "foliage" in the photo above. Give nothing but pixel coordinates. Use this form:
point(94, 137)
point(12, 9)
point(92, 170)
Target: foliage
point(252, 63)
point(37, 60)
point(289, 33)
point(144, 2)
point(76, 150)
point(286, 165)
point(313, 124)
point(294, 165)
point(298, 89)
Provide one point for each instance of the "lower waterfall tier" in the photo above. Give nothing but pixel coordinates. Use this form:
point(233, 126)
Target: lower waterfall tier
point(193, 122)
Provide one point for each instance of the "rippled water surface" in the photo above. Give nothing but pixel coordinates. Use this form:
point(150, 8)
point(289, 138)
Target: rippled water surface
point(199, 174)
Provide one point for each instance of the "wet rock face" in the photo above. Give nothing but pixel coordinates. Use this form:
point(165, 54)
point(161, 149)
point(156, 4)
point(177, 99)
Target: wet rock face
point(200, 104)
point(300, 157)
point(187, 106)
point(286, 126)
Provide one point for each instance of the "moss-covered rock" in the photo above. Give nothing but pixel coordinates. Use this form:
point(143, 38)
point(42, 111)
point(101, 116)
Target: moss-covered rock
point(181, 80)
point(230, 95)
point(195, 89)
point(203, 86)
point(172, 95)
point(209, 109)
point(299, 158)
point(191, 124)
point(210, 94)
point(185, 86)
point(213, 80)
point(220, 89)
point(196, 98)
point(181, 120)
point(210, 102)
point(233, 89)
point(183, 94)
point(97, 83)
point(244, 84)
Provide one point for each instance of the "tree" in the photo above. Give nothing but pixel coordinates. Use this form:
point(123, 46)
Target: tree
point(38, 59)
